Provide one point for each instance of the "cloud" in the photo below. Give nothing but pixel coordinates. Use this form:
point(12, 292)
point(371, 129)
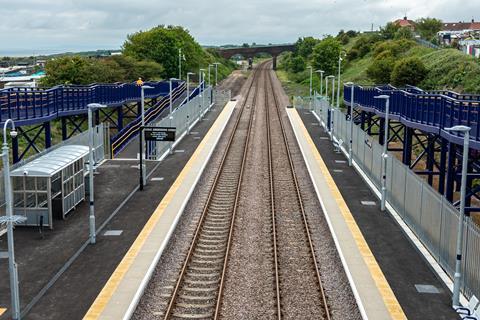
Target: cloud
point(38, 25)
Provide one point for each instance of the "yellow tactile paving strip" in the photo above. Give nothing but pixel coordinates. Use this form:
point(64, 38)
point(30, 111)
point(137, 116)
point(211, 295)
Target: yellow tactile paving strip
point(386, 292)
point(2, 311)
point(110, 287)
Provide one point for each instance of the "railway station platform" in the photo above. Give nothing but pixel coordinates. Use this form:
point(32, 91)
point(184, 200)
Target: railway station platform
point(60, 273)
point(388, 275)
point(124, 288)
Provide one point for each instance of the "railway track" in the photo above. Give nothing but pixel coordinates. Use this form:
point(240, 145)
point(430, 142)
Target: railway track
point(197, 291)
point(298, 284)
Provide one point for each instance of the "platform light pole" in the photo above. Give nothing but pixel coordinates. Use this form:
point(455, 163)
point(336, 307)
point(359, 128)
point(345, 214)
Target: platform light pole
point(170, 109)
point(311, 76)
point(180, 63)
point(321, 80)
point(385, 151)
point(188, 99)
point(340, 59)
point(142, 94)
point(202, 86)
point(209, 66)
point(10, 220)
point(350, 124)
point(91, 107)
point(463, 191)
point(216, 72)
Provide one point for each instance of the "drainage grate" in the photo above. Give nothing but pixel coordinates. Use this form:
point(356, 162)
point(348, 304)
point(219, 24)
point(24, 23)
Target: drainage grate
point(114, 233)
point(426, 288)
point(368, 203)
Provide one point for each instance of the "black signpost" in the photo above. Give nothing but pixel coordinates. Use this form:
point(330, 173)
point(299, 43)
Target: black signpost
point(154, 134)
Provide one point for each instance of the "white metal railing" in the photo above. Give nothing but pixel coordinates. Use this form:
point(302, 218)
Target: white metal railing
point(427, 213)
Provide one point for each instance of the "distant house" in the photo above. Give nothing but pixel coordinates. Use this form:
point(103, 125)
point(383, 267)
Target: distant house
point(456, 31)
point(405, 23)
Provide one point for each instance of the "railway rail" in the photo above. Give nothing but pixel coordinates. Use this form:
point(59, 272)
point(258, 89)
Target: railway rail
point(199, 288)
point(288, 215)
point(197, 292)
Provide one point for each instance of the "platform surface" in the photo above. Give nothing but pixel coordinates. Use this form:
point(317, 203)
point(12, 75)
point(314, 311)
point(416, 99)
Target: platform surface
point(121, 293)
point(119, 207)
point(392, 269)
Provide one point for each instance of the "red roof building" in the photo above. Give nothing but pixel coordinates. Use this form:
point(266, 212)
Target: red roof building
point(405, 23)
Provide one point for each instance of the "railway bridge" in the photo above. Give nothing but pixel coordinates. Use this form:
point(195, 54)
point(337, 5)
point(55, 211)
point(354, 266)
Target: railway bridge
point(250, 52)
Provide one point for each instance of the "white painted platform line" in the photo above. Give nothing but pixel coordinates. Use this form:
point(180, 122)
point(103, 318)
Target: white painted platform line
point(120, 296)
point(157, 179)
point(113, 233)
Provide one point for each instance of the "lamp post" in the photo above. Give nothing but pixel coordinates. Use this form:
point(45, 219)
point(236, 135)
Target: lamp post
point(180, 63)
point(321, 80)
point(10, 220)
point(311, 76)
point(188, 99)
point(91, 107)
point(350, 124)
point(385, 151)
point(330, 105)
point(144, 178)
point(463, 190)
point(209, 66)
point(202, 87)
point(342, 53)
point(216, 72)
point(170, 109)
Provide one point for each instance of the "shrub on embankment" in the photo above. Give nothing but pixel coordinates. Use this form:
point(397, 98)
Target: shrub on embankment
point(372, 58)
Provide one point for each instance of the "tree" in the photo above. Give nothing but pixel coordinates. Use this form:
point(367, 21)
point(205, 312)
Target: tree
point(161, 44)
point(80, 70)
point(245, 45)
point(304, 46)
point(410, 71)
point(325, 55)
point(381, 68)
point(296, 64)
point(388, 32)
point(428, 27)
point(404, 33)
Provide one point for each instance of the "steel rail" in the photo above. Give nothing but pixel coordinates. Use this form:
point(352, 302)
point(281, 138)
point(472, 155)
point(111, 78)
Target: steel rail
point(272, 206)
point(300, 201)
point(208, 202)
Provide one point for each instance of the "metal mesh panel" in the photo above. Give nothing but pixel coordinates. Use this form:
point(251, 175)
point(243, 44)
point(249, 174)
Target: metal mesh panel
point(431, 217)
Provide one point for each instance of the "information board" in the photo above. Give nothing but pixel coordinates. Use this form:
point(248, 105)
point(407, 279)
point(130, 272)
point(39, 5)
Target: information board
point(159, 133)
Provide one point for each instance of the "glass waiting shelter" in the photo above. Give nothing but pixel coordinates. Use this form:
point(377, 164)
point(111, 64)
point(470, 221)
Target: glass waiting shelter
point(50, 186)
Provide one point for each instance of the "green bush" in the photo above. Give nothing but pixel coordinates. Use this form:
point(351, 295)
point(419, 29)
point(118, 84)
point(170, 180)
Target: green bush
point(365, 43)
point(410, 71)
point(404, 33)
point(353, 54)
point(396, 47)
point(296, 64)
point(325, 55)
point(381, 68)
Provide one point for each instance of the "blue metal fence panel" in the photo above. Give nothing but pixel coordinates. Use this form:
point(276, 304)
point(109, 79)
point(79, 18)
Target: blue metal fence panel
point(28, 106)
point(431, 111)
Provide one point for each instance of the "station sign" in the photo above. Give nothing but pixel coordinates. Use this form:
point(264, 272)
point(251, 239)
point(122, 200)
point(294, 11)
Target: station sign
point(160, 133)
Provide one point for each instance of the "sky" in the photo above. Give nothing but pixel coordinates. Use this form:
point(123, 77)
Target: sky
point(50, 26)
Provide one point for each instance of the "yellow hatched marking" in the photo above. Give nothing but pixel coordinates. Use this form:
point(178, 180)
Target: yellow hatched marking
point(105, 295)
point(386, 292)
